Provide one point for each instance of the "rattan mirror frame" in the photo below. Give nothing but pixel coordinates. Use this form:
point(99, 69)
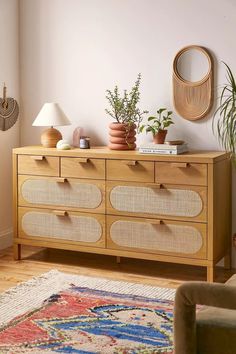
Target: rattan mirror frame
point(193, 100)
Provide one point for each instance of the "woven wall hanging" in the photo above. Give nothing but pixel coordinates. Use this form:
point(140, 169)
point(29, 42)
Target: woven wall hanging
point(9, 111)
point(193, 99)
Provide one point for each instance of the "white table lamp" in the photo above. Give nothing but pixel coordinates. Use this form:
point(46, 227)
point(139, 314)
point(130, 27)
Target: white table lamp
point(51, 115)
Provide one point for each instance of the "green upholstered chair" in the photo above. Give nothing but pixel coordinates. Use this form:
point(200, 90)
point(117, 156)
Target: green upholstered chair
point(212, 329)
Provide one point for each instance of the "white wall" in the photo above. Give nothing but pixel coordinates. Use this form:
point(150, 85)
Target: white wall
point(73, 50)
point(9, 73)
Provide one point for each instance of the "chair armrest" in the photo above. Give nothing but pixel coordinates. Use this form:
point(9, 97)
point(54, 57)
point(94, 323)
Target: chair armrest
point(189, 295)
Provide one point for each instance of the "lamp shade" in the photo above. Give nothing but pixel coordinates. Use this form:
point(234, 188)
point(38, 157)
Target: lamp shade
point(51, 115)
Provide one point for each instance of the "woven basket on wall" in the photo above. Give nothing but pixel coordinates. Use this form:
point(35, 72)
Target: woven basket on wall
point(8, 113)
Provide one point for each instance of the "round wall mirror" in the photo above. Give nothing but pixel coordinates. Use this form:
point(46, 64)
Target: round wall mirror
point(193, 65)
point(193, 82)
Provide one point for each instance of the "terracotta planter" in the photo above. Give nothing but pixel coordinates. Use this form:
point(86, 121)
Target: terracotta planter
point(160, 137)
point(122, 136)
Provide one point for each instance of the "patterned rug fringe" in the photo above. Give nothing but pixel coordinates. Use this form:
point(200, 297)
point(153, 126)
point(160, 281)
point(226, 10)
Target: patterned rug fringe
point(31, 294)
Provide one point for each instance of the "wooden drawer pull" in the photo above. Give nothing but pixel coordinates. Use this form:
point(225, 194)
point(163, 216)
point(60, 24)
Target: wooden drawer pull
point(59, 212)
point(37, 157)
point(154, 221)
point(155, 186)
point(83, 160)
point(60, 180)
point(130, 163)
point(179, 164)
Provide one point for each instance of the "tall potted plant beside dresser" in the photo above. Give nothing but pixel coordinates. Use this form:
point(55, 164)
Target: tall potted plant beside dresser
point(164, 208)
point(224, 121)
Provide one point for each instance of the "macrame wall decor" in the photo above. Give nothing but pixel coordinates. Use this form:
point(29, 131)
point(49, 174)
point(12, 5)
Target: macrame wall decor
point(9, 111)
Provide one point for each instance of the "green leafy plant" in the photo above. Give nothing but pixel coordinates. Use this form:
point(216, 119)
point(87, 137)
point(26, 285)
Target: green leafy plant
point(123, 108)
point(162, 121)
point(224, 119)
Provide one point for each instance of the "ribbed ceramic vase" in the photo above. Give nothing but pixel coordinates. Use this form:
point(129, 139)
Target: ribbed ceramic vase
point(122, 136)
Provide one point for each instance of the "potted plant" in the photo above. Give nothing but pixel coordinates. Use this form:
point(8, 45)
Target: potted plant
point(158, 125)
point(226, 121)
point(127, 116)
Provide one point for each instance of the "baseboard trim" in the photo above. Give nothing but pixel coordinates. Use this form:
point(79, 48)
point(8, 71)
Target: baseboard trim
point(6, 238)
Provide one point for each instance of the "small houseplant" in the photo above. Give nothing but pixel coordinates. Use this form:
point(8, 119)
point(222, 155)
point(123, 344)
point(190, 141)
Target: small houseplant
point(225, 122)
point(158, 125)
point(127, 116)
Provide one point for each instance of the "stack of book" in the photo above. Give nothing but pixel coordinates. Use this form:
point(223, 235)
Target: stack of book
point(163, 149)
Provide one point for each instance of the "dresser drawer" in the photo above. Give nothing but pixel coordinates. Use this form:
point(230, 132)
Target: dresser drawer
point(58, 192)
point(38, 165)
point(82, 167)
point(156, 236)
point(153, 200)
point(62, 226)
point(130, 170)
point(181, 173)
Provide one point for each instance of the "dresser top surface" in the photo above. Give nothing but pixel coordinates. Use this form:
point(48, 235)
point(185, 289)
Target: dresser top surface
point(201, 156)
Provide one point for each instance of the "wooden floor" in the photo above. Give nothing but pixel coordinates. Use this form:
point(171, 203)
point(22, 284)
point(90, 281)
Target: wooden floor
point(37, 261)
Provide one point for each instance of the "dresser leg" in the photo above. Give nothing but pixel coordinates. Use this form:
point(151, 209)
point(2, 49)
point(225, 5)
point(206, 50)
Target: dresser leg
point(118, 260)
point(227, 260)
point(210, 274)
point(17, 251)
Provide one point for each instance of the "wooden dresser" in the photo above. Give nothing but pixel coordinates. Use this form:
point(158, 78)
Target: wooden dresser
point(159, 207)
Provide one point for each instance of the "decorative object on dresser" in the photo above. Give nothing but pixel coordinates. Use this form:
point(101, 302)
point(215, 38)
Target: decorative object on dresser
point(122, 136)
point(163, 149)
point(51, 115)
point(84, 142)
point(157, 125)
point(165, 208)
point(127, 117)
point(9, 111)
point(193, 82)
point(77, 133)
point(63, 145)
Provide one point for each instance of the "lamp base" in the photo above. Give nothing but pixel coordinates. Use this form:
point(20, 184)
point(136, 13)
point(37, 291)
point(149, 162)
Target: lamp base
point(50, 137)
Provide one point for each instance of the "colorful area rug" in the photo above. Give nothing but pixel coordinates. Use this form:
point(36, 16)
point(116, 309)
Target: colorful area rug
point(63, 313)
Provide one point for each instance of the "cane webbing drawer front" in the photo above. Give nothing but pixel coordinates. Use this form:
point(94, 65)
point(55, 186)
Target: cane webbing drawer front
point(70, 226)
point(83, 167)
point(165, 200)
point(85, 195)
point(181, 173)
point(130, 170)
point(38, 165)
point(172, 237)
